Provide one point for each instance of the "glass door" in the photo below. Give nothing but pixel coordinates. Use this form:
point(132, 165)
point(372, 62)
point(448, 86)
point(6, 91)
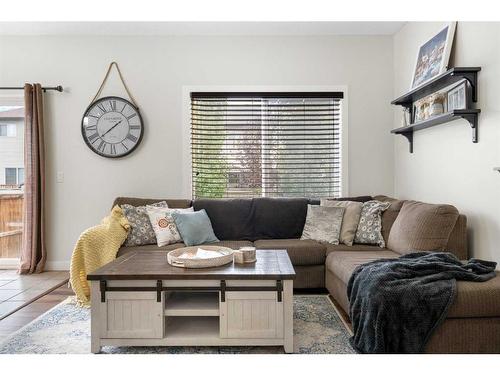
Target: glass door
point(11, 180)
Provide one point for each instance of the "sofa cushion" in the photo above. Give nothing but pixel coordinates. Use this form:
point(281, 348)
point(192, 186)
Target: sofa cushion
point(422, 227)
point(279, 218)
point(301, 252)
point(235, 245)
point(172, 203)
point(355, 247)
point(473, 299)
point(231, 218)
point(129, 249)
point(343, 263)
point(389, 215)
point(476, 300)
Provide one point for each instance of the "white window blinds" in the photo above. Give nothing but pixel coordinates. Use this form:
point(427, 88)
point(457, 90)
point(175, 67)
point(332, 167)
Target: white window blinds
point(266, 144)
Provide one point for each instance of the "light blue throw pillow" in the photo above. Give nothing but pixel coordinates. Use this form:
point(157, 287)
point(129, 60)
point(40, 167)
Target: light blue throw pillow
point(195, 228)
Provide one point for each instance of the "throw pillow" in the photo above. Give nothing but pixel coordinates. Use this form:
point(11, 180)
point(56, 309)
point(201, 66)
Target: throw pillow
point(141, 232)
point(350, 220)
point(195, 227)
point(323, 224)
point(370, 223)
point(163, 224)
point(422, 227)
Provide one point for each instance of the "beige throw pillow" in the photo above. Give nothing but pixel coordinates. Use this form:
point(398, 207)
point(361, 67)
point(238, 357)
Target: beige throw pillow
point(350, 220)
point(323, 224)
point(164, 225)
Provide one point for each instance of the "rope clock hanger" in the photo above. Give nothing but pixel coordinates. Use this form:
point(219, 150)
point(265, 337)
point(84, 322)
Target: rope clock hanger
point(112, 126)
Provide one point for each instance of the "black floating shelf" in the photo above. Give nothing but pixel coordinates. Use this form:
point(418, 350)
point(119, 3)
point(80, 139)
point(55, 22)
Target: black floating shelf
point(468, 114)
point(439, 82)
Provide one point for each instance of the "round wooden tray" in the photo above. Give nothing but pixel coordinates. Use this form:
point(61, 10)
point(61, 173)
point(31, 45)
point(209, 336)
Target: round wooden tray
point(174, 260)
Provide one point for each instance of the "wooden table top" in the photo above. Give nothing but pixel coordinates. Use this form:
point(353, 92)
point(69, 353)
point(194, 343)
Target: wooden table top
point(153, 265)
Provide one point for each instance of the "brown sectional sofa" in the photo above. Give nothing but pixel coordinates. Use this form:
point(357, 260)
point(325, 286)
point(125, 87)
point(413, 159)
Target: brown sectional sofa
point(473, 323)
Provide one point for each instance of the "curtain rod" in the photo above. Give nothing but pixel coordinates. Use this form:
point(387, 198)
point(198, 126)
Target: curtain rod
point(56, 88)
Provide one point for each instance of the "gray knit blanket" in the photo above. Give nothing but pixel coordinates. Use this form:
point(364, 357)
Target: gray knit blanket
point(396, 304)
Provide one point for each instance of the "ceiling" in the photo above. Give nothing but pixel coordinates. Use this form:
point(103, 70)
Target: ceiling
point(200, 28)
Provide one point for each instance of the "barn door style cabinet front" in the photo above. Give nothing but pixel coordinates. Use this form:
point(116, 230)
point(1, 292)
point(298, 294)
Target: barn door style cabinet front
point(192, 312)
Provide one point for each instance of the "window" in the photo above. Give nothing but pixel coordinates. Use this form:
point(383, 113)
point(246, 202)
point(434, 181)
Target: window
point(10, 176)
point(8, 130)
point(266, 144)
point(14, 176)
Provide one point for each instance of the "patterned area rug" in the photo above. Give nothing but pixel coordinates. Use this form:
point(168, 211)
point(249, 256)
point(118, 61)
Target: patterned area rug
point(66, 330)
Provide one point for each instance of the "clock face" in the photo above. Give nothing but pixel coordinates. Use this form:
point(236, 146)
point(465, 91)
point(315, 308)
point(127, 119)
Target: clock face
point(112, 127)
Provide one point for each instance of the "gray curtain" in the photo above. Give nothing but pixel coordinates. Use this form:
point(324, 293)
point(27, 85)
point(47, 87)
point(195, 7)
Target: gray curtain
point(33, 253)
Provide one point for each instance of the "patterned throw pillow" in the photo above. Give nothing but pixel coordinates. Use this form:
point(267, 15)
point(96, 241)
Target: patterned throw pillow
point(141, 231)
point(323, 224)
point(370, 223)
point(164, 224)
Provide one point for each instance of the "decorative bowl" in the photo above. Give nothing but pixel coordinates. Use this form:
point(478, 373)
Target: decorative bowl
point(184, 257)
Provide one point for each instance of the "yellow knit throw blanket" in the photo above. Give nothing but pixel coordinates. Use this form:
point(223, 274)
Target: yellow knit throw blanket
point(96, 247)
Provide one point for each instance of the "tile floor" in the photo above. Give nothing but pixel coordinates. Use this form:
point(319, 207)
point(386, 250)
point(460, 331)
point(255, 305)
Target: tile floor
point(33, 310)
point(18, 290)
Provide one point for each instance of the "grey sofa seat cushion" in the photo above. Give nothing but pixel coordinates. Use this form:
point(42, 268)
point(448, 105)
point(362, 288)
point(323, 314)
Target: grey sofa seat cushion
point(129, 249)
point(235, 245)
point(353, 248)
point(301, 252)
point(231, 218)
point(343, 263)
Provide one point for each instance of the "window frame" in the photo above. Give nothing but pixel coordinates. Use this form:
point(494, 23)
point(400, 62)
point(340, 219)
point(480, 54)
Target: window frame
point(187, 161)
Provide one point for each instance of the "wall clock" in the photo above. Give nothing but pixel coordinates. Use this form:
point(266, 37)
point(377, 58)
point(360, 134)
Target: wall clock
point(112, 127)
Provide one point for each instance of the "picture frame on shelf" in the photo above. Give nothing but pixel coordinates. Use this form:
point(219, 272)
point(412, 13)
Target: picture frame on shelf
point(433, 56)
point(457, 97)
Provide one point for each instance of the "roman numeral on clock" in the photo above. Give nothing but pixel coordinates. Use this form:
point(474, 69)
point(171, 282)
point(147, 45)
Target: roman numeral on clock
point(113, 149)
point(93, 137)
point(131, 116)
point(101, 107)
point(102, 146)
point(131, 137)
point(124, 146)
point(135, 127)
point(112, 104)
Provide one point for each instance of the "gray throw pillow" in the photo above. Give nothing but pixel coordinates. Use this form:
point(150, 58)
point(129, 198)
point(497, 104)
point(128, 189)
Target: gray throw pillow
point(195, 228)
point(323, 224)
point(141, 232)
point(350, 221)
point(370, 223)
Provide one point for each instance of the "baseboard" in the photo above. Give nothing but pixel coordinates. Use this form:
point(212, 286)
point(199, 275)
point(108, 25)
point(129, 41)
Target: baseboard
point(57, 266)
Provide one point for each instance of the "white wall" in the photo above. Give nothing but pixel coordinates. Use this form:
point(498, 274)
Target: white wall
point(446, 167)
point(156, 69)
